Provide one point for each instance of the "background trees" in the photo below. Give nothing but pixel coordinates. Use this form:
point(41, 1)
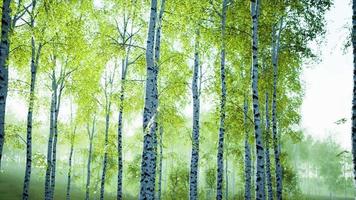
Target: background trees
point(125, 60)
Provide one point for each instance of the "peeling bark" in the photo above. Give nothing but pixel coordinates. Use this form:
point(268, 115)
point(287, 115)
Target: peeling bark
point(260, 191)
point(148, 165)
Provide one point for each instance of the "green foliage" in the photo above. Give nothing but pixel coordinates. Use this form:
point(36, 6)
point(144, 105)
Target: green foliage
point(86, 42)
point(178, 181)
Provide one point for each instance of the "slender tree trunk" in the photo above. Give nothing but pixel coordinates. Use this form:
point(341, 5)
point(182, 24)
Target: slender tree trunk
point(220, 155)
point(195, 134)
point(276, 143)
point(34, 64)
point(119, 136)
point(148, 165)
point(158, 35)
point(160, 163)
point(4, 73)
point(354, 90)
point(267, 156)
point(91, 137)
point(157, 63)
point(35, 55)
point(54, 160)
point(54, 151)
point(125, 65)
point(58, 95)
point(260, 193)
point(105, 163)
point(69, 177)
point(253, 171)
point(50, 143)
point(247, 156)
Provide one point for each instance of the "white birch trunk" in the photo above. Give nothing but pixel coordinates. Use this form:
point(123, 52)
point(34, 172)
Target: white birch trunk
point(193, 181)
point(220, 155)
point(276, 138)
point(147, 182)
point(4, 73)
point(260, 193)
point(267, 156)
point(353, 137)
point(247, 156)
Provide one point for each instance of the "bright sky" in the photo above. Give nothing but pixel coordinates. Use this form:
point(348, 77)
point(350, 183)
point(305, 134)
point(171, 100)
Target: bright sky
point(328, 84)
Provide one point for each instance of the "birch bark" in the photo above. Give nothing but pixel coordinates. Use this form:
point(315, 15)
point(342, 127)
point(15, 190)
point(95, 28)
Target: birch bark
point(91, 137)
point(220, 155)
point(267, 156)
point(260, 192)
point(276, 138)
point(193, 192)
point(247, 156)
point(353, 137)
point(148, 165)
point(4, 73)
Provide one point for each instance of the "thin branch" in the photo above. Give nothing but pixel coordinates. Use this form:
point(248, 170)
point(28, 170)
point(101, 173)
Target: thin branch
point(214, 9)
point(19, 46)
point(135, 80)
point(19, 14)
point(132, 45)
point(118, 29)
point(28, 23)
point(24, 141)
point(21, 81)
point(133, 62)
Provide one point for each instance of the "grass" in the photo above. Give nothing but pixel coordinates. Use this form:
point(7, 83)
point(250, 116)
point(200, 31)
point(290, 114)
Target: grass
point(11, 186)
point(11, 183)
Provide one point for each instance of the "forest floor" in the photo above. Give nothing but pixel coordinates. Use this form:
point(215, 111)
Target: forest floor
point(314, 197)
point(11, 184)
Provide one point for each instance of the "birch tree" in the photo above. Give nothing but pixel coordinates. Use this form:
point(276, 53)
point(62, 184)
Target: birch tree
point(127, 42)
point(7, 29)
point(354, 89)
point(57, 87)
point(70, 159)
point(35, 56)
point(160, 142)
point(108, 96)
point(276, 144)
point(4, 73)
point(260, 193)
point(247, 166)
point(91, 138)
point(220, 156)
point(267, 154)
point(193, 192)
point(148, 165)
